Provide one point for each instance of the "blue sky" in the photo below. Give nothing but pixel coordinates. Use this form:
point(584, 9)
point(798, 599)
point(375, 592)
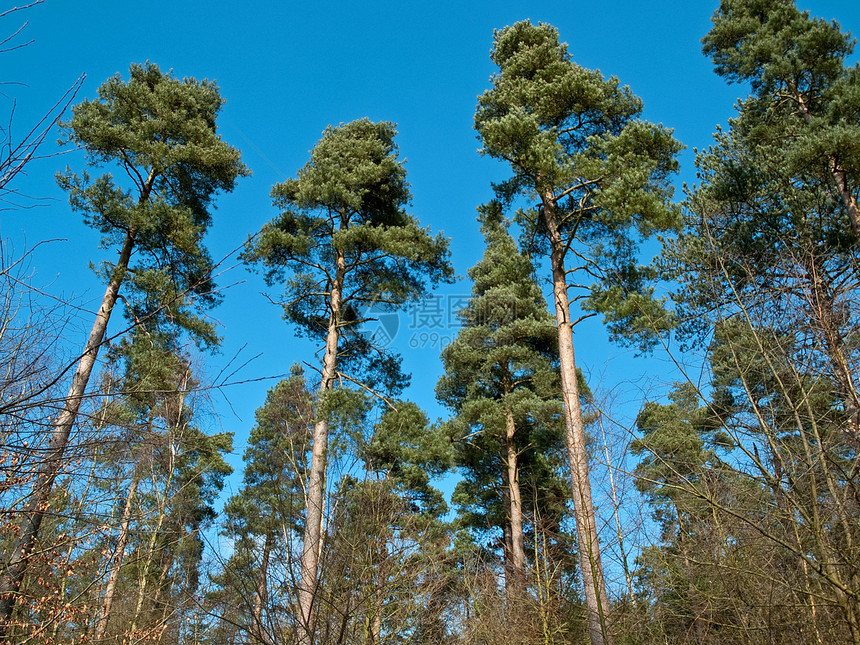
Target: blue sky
point(289, 69)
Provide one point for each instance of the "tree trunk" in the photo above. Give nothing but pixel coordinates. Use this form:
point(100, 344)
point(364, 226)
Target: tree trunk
point(116, 561)
point(518, 553)
point(376, 633)
point(848, 200)
point(155, 533)
point(312, 536)
point(586, 526)
point(17, 559)
point(260, 592)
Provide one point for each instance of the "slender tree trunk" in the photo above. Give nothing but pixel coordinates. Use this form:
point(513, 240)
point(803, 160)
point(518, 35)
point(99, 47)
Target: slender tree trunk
point(849, 607)
point(312, 536)
point(586, 526)
point(260, 592)
point(518, 553)
point(18, 559)
point(376, 628)
point(116, 561)
point(848, 200)
point(166, 610)
point(156, 531)
point(380, 592)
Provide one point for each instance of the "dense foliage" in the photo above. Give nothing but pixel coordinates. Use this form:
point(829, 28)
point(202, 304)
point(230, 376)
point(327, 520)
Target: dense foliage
point(731, 514)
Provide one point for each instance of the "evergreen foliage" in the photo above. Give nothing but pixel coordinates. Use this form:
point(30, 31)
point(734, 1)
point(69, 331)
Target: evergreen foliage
point(767, 266)
point(730, 506)
point(262, 520)
point(577, 139)
point(160, 133)
point(501, 383)
point(596, 176)
point(349, 201)
point(349, 244)
point(502, 361)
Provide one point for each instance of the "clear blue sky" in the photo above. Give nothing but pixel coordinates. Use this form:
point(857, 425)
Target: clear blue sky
point(289, 69)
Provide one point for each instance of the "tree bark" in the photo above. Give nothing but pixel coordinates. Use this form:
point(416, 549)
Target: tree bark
point(260, 592)
point(518, 554)
point(16, 564)
point(312, 536)
point(18, 559)
point(586, 526)
point(848, 200)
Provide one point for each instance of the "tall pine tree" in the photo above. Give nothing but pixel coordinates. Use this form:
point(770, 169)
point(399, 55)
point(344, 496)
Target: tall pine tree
point(768, 266)
point(595, 175)
point(779, 190)
point(263, 519)
point(501, 380)
point(343, 243)
point(161, 133)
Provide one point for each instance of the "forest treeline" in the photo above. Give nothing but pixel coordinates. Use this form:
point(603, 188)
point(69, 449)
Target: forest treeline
point(729, 512)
